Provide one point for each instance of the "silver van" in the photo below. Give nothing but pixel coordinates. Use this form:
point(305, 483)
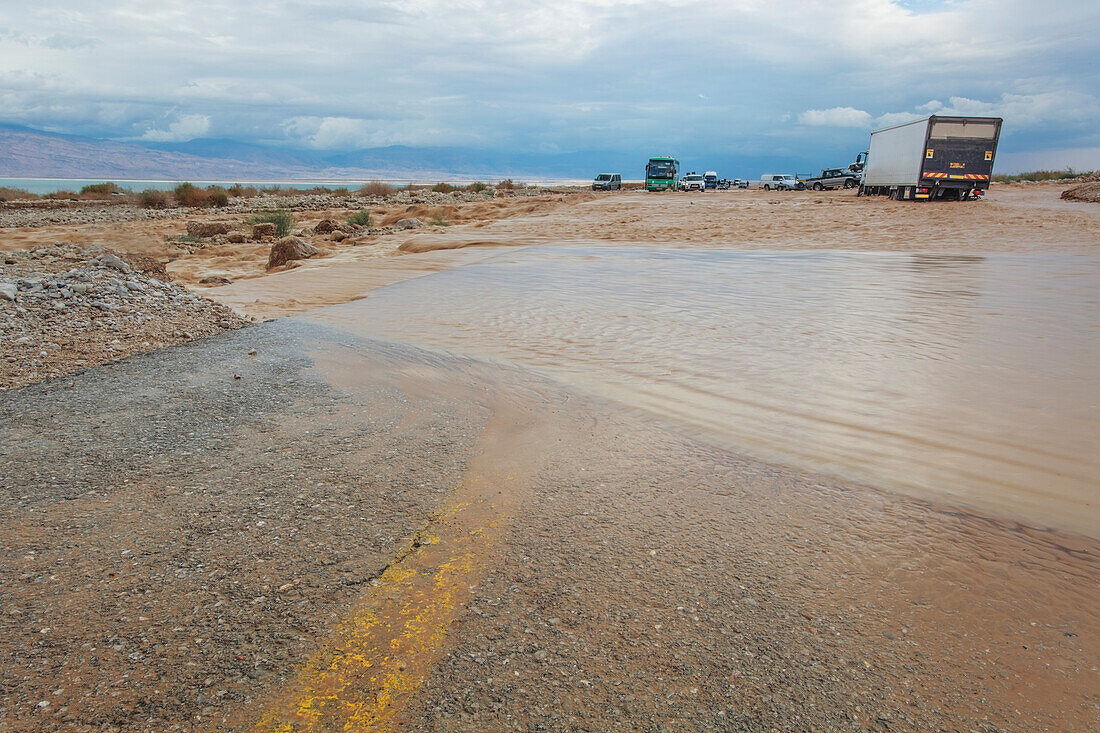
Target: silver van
point(607, 182)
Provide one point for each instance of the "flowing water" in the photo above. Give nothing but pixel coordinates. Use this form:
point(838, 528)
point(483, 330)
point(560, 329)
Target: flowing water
point(969, 379)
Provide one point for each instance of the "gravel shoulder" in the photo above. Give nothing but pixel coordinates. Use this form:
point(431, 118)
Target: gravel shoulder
point(175, 540)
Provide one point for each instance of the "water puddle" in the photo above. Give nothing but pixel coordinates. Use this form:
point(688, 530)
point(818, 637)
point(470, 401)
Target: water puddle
point(971, 379)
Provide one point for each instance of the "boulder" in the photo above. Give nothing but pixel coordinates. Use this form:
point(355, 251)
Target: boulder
point(8, 291)
point(207, 229)
point(339, 236)
point(326, 226)
point(411, 223)
point(215, 280)
point(113, 261)
point(236, 238)
point(260, 231)
point(288, 249)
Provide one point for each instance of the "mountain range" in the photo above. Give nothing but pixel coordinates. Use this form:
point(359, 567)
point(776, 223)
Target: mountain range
point(30, 153)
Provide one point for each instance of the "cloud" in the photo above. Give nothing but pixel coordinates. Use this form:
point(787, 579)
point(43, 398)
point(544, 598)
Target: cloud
point(1051, 108)
point(521, 75)
point(1059, 159)
point(836, 117)
point(329, 133)
point(187, 127)
point(65, 42)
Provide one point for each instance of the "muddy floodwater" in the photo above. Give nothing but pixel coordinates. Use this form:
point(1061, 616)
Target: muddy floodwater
point(970, 379)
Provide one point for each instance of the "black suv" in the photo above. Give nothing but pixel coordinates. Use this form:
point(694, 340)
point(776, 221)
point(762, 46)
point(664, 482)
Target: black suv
point(833, 178)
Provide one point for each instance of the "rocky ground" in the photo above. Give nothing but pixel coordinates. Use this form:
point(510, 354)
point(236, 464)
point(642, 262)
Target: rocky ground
point(65, 308)
point(1088, 192)
point(39, 213)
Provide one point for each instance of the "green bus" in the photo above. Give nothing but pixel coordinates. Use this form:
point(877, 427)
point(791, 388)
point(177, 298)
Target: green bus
point(662, 174)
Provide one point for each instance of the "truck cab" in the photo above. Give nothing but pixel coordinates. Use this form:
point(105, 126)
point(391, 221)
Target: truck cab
point(710, 179)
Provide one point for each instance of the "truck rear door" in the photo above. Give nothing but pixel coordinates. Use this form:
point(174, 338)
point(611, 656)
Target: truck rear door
point(960, 152)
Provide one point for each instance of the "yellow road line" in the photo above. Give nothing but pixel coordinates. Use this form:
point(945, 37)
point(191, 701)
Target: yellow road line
point(383, 652)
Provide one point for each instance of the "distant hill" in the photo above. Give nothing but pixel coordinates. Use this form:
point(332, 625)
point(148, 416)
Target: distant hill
point(27, 153)
point(33, 154)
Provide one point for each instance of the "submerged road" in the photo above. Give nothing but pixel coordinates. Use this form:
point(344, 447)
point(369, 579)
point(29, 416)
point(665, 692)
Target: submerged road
point(289, 527)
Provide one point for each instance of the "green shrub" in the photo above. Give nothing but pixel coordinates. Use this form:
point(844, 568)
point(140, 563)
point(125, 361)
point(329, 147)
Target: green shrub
point(216, 196)
point(103, 189)
point(1040, 176)
point(243, 192)
point(62, 196)
point(188, 194)
point(375, 188)
point(438, 221)
point(443, 187)
point(14, 194)
point(360, 218)
point(152, 198)
point(477, 187)
point(282, 220)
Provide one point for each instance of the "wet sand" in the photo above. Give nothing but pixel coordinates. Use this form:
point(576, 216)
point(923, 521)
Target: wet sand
point(510, 550)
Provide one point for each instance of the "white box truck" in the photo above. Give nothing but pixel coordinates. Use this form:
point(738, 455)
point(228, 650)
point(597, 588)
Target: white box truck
point(935, 157)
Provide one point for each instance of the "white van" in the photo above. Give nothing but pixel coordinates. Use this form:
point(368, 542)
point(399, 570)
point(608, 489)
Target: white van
point(780, 182)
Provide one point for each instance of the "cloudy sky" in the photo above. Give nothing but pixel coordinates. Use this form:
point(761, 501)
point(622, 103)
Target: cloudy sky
point(801, 81)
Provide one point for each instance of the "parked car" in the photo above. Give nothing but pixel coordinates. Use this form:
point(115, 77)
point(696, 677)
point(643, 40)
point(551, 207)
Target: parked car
point(833, 178)
point(607, 182)
point(741, 182)
point(692, 182)
point(781, 182)
point(723, 184)
point(710, 179)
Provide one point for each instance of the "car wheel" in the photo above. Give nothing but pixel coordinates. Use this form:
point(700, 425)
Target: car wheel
point(818, 186)
point(849, 183)
point(767, 187)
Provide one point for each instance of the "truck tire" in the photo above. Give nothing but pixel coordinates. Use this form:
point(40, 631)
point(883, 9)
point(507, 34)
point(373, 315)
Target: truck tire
point(818, 186)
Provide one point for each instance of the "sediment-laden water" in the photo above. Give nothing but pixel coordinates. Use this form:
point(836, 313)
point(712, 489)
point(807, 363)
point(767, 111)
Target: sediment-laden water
point(970, 379)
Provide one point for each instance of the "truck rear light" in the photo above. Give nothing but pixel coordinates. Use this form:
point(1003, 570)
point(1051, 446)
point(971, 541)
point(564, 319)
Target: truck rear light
point(922, 190)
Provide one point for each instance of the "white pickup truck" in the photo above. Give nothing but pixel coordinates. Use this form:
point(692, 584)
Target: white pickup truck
point(692, 182)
